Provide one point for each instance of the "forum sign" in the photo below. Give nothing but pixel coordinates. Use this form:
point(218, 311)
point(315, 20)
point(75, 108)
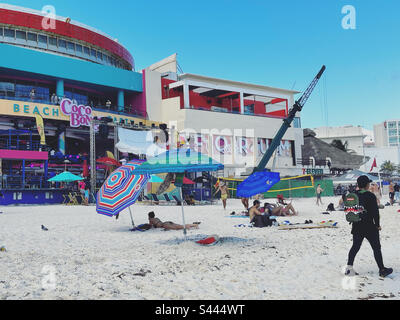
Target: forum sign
point(79, 115)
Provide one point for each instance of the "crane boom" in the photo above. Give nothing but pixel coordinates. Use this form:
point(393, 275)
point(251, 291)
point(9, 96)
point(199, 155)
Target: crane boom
point(297, 107)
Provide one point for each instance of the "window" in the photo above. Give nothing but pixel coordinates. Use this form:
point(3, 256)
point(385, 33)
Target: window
point(392, 125)
point(53, 41)
point(17, 196)
point(21, 35)
point(70, 46)
point(62, 44)
point(42, 40)
point(86, 50)
point(393, 140)
point(393, 132)
point(78, 48)
point(93, 53)
point(100, 55)
point(1, 32)
point(9, 33)
point(32, 36)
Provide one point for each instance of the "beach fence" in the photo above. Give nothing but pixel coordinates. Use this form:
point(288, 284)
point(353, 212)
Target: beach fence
point(290, 188)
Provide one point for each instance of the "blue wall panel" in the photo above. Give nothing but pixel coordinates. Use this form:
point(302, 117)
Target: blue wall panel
point(60, 67)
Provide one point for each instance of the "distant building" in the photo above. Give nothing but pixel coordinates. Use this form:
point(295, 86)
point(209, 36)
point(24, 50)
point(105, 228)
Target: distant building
point(356, 138)
point(387, 134)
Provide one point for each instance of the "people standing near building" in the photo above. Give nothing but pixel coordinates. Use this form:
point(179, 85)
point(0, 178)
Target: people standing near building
point(53, 99)
point(374, 188)
point(391, 193)
point(369, 228)
point(397, 192)
point(222, 187)
point(319, 194)
point(32, 95)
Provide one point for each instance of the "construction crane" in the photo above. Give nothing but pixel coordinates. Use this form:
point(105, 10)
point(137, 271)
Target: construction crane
point(297, 107)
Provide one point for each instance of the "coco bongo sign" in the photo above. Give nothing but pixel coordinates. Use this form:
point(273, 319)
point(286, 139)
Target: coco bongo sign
point(79, 115)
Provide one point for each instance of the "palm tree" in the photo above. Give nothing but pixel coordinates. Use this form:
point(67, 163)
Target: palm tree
point(388, 167)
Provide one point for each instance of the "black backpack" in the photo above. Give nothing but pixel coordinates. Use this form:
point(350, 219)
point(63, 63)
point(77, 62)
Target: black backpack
point(331, 207)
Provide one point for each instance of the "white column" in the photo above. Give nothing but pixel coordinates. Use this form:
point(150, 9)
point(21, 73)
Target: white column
point(186, 96)
point(241, 103)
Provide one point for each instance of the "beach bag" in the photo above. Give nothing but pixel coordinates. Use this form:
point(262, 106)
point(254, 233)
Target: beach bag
point(331, 207)
point(353, 210)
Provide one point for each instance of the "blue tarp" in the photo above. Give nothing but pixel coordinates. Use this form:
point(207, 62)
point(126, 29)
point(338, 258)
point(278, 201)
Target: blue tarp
point(257, 183)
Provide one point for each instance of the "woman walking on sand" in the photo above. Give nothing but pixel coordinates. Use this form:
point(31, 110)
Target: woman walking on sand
point(319, 194)
point(224, 193)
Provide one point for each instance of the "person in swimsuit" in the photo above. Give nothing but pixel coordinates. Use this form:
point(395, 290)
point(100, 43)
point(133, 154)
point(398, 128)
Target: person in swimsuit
point(157, 223)
point(281, 211)
point(224, 193)
point(319, 194)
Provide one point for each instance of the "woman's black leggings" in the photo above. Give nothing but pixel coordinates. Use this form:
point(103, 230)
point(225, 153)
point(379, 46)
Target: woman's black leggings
point(373, 239)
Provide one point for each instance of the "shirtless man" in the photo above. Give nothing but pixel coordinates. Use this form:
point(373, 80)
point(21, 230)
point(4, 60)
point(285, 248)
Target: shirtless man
point(255, 210)
point(257, 218)
point(224, 193)
point(157, 223)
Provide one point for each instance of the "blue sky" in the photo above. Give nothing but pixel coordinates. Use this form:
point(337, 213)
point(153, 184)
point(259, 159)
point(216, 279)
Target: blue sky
point(277, 43)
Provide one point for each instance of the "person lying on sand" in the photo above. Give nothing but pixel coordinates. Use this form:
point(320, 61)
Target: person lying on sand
point(157, 223)
point(280, 211)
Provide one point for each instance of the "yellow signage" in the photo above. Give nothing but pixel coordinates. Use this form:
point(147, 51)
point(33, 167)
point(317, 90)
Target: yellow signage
point(40, 127)
point(52, 112)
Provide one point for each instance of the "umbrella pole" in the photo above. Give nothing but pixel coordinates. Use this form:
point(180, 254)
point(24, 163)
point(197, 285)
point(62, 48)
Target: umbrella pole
point(130, 212)
point(183, 215)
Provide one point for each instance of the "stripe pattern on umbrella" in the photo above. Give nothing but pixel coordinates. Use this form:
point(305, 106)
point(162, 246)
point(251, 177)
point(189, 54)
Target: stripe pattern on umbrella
point(120, 190)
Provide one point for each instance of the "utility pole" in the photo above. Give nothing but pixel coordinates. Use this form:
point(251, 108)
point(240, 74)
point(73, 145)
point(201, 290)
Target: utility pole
point(93, 177)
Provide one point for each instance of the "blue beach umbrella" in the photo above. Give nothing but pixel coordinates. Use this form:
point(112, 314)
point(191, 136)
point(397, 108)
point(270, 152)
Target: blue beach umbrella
point(257, 183)
point(65, 177)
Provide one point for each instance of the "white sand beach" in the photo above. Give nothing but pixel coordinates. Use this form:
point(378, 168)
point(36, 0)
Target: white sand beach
point(96, 257)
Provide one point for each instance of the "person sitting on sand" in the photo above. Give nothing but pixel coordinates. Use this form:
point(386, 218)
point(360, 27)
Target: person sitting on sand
point(257, 218)
point(157, 223)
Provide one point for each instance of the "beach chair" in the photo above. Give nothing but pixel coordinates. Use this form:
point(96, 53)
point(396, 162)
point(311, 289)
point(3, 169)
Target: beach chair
point(72, 199)
point(168, 199)
point(155, 199)
point(79, 198)
point(177, 200)
point(66, 199)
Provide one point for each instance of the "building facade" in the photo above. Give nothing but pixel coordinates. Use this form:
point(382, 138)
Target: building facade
point(387, 134)
point(234, 122)
point(68, 74)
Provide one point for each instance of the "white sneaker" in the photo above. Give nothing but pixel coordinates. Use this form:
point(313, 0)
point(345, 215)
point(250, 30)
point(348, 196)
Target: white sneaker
point(349, 271)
